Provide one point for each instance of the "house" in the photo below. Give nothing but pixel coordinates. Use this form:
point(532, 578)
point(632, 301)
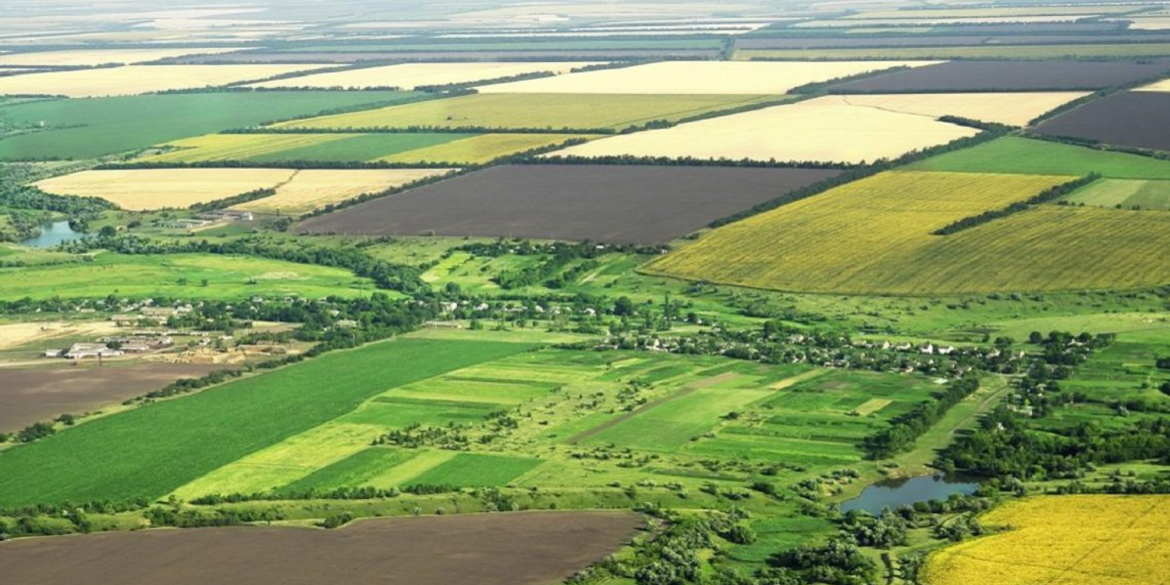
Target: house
point(80, 351)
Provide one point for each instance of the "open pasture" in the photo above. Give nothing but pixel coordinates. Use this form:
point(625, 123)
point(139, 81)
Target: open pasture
point(139, 79)
point(149, 451)
point(1074, 540)
point(958, 76)
point(1124, 194)
point(1012, 109)
point(312, 189)
point(29, 395)
point(570, 202)
point(78, 129)
point(533, 111)
point(824, 129)
point(142, 189)
point(488, 549)
point(697, 78)
point(887, 221)
point(92, 57)
point(1135, 119)
point(1025, 156)
point(412, 75)
point(178, 276)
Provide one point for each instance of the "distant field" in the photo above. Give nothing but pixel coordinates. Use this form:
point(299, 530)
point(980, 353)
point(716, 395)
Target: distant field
point(412, 75)
point(1124, 194)
point(143, 189)
point(823, 129)
point(571, 202)
point(91, 57)
point(481, 149)
point(138, 79)
point(1013, 109)
point(1038, 157)
point(1136, 119)
point(147, 452)
point(313, 189)
point(843, 23)
point(569, 46)
point(1120, 50)
point(696, 78)
point(178, 276)
point(77, 129)
point(1073, 540)
point(1163, 85)
point(542, 111)
point(1009, 76)
point(993, 11)
point(271, 148)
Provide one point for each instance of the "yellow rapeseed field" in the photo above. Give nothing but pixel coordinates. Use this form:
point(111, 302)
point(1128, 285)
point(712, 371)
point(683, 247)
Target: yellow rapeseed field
point(1013, 109)
point(823, 129)
point(412, 75)
point(313, 189)
point(145, 189)
point(213, 147)
point(874, 236)
point(136, 79)
point(1065, 540)
point(699, 77)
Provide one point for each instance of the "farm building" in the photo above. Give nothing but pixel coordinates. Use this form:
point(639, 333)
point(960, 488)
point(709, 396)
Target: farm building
point(80, 351)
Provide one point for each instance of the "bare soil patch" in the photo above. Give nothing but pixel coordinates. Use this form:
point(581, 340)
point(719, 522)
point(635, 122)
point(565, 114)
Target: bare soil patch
point(614, 204)
point(1009, 76)
point(28, 395)
point(1137, 119)
point(485, 549)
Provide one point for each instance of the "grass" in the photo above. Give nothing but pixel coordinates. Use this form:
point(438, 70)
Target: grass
point(875, 236)
point(88, 128)
point(972, 52)
point(149, 451)
point(272, 148)
point(354, 471)
point(534, 111)
point(178, 276)
point(1038, 157)
point(1124, 194)
point(476, 470)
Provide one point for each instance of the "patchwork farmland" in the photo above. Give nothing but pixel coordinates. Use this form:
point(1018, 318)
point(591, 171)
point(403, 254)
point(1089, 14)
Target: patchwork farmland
point(411, 76)
point(620, 204)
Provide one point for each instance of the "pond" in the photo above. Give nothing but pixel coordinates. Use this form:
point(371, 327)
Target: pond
point(53, 234)
point(894, 493)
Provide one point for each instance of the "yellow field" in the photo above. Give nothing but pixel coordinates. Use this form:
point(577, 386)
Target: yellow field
point(313, 189)
point(144, 189)
point(698, 78)
point(480, 149)
point(1013, 109)
point(136, 79)
point(19, 334)
point(90, 57)
point(551, 111)
point(1152, 23)
point(1005, 12)
point(822, 129)
point(1163, 85)
point(1065, 540)
point(213, 147)
point(412, 75)
point(874, 236)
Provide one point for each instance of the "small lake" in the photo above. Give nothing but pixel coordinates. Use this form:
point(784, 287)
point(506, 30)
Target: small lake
point(55, 233)
point(894, 493)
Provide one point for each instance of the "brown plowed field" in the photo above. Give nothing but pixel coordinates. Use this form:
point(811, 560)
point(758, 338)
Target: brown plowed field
point(28, 395)
point(1137, 119)
point(961, 76)
point(484, 549)
point(613, 204)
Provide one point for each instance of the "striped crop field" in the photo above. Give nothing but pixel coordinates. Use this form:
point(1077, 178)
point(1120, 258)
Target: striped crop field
point(874, 236)
point(216, 147)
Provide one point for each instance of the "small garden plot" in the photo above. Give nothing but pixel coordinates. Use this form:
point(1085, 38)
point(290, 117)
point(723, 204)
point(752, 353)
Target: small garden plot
point(138, 79)
point(698, 78)
point(1135, 119)
point(620, 204)
point(824, 129)
point(413, 75)
point(981, 76)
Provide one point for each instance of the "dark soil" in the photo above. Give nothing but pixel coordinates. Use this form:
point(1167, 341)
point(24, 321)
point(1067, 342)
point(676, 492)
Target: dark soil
point(1138, 119)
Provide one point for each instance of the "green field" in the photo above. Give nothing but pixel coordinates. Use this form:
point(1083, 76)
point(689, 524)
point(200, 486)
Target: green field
point(179, 276)
point(1040, 157)
point(270, 148)
point(553, 112)
point(87, 128)
point(354, 471)
point(475, 470)
point(154, 449)
point(1085, 51)
point(1124, 194)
